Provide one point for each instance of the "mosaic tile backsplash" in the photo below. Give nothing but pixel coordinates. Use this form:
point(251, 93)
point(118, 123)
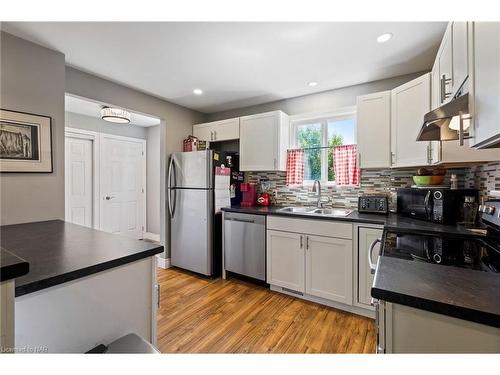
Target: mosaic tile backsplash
point(485, 177)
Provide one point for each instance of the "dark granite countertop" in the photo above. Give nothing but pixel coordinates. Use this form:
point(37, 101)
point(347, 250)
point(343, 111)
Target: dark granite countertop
point(391, 221)
point(453, 291)
point(59, 252)
point(11, 266)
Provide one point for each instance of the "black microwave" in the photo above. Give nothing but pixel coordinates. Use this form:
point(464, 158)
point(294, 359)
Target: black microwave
point(438, 205)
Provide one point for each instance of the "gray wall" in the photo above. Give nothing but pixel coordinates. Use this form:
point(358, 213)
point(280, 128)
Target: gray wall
point(32, 80)
point(317, 103)
point(153, 184)
point(76, 120)
point(176, 121)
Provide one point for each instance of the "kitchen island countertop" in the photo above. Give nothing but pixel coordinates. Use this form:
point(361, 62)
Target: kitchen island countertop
point(11, 266)
point(58, 252)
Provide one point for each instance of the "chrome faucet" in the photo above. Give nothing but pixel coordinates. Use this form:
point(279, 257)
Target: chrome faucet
point(317, 189)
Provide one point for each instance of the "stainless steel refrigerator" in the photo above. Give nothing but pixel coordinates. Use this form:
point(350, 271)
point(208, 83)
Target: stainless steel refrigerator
point(190, 196)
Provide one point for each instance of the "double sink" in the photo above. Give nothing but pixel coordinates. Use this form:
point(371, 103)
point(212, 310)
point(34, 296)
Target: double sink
point(334, 212)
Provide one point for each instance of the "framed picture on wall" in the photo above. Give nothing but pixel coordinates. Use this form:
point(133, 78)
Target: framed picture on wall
point(25, 142)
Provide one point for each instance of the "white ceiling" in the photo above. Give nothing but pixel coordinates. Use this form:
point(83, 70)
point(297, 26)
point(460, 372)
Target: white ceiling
point(238, 64)
point(93, 109)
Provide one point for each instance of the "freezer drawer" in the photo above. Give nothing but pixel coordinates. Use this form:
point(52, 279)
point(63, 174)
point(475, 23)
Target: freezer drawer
point(245, 245)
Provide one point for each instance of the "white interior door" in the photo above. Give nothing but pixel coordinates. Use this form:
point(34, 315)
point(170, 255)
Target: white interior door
point(79, 181)
point(123, 185)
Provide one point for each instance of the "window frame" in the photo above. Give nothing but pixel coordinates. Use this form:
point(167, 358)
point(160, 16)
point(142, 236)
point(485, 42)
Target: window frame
point(322, 118)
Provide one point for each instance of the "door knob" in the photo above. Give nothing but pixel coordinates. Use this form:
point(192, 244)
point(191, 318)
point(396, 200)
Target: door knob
point(109, 197)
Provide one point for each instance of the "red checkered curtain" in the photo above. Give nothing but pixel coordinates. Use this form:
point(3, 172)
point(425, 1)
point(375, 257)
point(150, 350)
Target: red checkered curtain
point(295, 167)
point(345, 165)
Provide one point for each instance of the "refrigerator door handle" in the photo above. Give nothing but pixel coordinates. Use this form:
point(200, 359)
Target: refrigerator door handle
point(170, 207)
point(170, 170)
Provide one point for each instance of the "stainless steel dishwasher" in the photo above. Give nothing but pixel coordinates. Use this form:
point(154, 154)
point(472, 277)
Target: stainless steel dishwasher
point(245, 244)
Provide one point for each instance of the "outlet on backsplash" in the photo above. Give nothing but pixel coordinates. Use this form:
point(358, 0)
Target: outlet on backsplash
point(484, 177)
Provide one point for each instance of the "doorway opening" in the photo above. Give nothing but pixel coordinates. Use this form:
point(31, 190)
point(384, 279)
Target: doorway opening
point(112, 171)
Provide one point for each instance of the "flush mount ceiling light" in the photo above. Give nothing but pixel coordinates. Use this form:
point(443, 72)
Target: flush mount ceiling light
point(312, 84)
point(384, 37)
point(115, 115)
point(197, 91)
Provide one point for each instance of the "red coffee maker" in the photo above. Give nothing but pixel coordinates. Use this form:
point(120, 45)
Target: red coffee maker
point(248, 191)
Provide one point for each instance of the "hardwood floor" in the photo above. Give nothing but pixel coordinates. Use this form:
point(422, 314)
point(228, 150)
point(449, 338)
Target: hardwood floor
point(199, 315)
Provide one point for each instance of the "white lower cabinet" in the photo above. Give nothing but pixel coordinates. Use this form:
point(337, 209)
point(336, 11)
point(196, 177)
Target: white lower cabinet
point(329, 268)
point(311, 263)
point(366, 237)
point(285, 260)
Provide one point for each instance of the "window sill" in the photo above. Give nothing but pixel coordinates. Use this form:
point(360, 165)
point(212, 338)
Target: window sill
point(309, 184)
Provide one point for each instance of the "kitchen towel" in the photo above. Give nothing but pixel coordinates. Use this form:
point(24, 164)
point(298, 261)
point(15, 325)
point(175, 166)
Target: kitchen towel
point(345, 165)
point(295, 167)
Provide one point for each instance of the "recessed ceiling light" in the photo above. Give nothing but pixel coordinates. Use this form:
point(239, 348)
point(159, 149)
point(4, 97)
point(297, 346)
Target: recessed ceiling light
point(115, 115)
point(312, 84)
point(197, 91)
point(384, 37)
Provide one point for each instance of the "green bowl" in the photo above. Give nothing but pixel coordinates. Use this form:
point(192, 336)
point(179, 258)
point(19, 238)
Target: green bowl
point(428, 180)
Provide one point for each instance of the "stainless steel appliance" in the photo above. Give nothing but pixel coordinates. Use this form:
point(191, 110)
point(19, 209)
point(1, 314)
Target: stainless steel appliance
point(436, 126)
point(377, 204)
point(245, 244)
point(190, 197)
point(439, 205)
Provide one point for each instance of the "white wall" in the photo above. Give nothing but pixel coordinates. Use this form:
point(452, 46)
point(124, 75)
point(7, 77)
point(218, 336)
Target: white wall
point(76, 120)
point(32, 80)
point(320, 102)
point(153, 184)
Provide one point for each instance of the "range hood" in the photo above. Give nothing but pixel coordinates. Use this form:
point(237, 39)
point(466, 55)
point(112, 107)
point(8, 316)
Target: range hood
point(436, 125)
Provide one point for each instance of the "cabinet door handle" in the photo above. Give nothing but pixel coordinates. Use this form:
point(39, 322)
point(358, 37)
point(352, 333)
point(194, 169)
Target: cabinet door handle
point(215, 135)
point(444, 81)
point(307, 242)
point(211, 135)
point(393, 156)
point(158, 287)
point(441, 90)
point(301, 241)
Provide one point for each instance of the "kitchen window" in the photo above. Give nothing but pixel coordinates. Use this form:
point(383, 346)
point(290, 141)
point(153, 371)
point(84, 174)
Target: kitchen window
point(317, 135)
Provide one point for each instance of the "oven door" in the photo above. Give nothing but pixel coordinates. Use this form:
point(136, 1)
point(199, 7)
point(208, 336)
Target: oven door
point(415, 203)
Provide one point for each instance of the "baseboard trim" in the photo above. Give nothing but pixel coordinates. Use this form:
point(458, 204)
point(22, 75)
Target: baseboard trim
point(163, 262)
point(152, 236)
point(352, 309)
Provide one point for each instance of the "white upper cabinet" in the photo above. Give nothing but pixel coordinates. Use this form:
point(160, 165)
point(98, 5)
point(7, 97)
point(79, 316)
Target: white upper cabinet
point(409, 103)
point(264, 140)
point(484, 85)
point(460, 54)
point(444, 66)
point(223, 130)
point(374, 130)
